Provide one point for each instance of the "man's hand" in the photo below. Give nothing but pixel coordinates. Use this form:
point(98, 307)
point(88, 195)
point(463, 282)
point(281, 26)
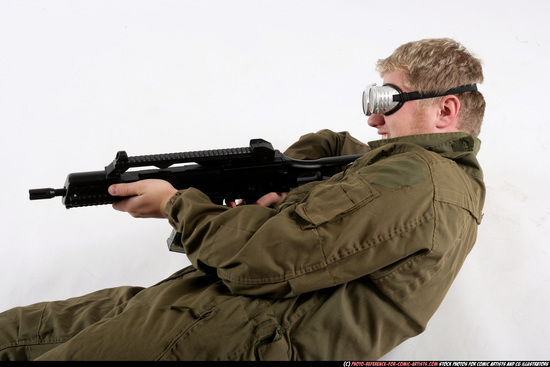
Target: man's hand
point(147, 198)
point(271, 199)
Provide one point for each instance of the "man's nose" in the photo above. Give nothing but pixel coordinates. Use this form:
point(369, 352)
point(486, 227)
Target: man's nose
point(376, 120)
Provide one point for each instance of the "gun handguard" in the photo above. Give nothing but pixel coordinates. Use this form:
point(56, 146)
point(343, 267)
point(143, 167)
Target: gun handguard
point(245, 173)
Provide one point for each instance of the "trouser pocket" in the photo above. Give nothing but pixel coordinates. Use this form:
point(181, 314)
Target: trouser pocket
point(273, 347)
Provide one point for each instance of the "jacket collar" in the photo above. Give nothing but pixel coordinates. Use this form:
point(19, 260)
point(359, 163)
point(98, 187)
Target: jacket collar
point(440, 143)
point(460, 147)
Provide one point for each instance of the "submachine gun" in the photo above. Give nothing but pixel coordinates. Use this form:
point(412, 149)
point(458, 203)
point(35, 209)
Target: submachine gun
point(245, 173)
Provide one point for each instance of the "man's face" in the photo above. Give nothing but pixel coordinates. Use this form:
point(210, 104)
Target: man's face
point(408, 120)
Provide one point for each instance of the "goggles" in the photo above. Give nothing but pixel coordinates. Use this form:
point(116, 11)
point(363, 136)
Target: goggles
point(388, 98)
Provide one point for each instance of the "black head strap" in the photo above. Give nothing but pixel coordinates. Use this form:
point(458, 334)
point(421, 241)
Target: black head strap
point(404, 97)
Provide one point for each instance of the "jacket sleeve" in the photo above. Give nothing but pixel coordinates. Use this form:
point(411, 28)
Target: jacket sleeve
point(325, 143)
point(324, 234)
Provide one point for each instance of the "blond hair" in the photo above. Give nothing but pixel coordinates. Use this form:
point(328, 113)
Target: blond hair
point(437, 65)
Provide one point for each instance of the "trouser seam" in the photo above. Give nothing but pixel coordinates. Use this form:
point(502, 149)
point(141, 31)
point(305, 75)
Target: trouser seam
point(40, 322)
point(31, 342)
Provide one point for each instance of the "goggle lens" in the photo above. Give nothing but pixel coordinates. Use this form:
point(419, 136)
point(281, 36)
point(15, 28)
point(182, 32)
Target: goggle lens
point(380, 99)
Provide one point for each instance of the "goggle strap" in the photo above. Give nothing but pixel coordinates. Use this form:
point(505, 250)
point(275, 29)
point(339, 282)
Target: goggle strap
point(404, 97)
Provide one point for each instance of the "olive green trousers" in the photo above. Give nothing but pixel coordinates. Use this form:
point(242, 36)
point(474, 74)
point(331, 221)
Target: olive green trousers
point(26, 333)
point(172, 320)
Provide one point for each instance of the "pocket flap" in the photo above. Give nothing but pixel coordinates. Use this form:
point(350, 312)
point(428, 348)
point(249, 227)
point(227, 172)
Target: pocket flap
point(329, 200)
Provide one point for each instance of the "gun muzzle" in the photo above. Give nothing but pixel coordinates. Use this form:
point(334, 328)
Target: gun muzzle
point(46, 193)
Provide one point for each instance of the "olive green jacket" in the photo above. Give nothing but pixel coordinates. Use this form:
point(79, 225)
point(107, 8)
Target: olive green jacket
point(343, 269)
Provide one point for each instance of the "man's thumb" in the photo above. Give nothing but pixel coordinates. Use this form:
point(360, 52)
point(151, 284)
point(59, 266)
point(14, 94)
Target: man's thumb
point(120, 190)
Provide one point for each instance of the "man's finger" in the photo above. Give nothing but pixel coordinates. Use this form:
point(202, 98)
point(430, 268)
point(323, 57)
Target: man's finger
point(270, 199)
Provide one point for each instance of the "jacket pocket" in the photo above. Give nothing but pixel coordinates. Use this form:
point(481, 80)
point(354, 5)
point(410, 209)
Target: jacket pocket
point(330, 200)
point(272, 348)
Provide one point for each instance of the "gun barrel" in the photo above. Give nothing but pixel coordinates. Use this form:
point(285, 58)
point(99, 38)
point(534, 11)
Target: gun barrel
point(46, 193)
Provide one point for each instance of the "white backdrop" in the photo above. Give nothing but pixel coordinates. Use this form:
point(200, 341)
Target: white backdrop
point(80, 80)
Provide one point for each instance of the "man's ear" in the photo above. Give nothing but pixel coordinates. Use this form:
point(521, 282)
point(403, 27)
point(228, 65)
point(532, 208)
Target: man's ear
point(448, 112)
